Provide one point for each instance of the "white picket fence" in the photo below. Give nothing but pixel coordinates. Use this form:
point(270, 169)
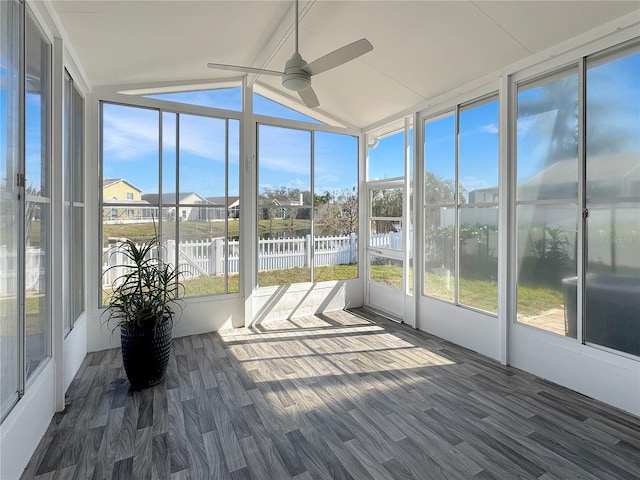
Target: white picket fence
point(207, 257)
point(34, 271)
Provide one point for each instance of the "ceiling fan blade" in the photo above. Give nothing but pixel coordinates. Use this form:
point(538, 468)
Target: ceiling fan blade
point(238, 68)
point(309, 97)
point(339, 56)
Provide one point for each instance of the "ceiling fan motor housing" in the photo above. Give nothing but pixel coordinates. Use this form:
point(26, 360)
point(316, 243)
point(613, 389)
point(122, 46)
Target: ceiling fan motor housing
point(295, 78)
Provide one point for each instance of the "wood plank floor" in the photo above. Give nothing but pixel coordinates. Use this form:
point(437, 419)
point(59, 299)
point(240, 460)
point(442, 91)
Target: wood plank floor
point(344, 395)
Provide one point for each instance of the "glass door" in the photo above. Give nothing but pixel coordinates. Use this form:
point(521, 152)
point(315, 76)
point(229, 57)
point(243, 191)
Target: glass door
point(387, 280)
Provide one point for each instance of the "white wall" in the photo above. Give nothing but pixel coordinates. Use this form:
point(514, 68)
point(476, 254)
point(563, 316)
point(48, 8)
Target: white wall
point(200, 315)
point(473, 330)
point(605, 376)
point(25, 425)
point(74, 350)
point(288, 301)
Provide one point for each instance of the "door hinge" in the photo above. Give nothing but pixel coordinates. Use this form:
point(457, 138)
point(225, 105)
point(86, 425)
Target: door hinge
point(21, 180)
point(585, 213)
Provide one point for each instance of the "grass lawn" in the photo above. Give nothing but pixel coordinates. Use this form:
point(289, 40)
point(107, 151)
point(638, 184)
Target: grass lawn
point(531, 301)
point(193, 230)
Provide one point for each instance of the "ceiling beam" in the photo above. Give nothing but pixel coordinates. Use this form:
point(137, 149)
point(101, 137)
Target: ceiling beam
point(279, 37)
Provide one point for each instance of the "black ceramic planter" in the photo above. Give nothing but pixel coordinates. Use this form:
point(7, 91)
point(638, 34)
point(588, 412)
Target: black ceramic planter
point(145, 353)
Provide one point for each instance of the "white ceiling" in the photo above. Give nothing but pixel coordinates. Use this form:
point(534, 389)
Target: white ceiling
point(421, 48)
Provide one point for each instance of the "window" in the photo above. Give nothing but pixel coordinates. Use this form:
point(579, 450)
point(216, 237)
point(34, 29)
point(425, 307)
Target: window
point(25, 230)
point(264, 106)
point(612, 280)
point(546, 199)
point(37, 207)
point(186, 204)
point(307, 206)
point(129, 195)
point(10, 166)
point(461, 206)
point(224, 98)
point(73, 175)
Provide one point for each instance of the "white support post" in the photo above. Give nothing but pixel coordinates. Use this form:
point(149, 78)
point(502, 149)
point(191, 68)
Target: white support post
point(58, 227)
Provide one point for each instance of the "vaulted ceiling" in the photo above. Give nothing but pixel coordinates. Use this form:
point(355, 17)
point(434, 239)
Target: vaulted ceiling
point(421, 48)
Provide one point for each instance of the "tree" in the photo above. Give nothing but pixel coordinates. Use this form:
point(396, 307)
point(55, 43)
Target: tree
point(339, 216)
point(560, 98)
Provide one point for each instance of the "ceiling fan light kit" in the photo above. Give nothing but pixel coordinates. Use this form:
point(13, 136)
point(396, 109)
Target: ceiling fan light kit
point(297, 73)
point(294, 77)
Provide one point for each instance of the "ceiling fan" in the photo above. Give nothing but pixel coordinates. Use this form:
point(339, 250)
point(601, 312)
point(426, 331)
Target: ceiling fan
point(297, 72)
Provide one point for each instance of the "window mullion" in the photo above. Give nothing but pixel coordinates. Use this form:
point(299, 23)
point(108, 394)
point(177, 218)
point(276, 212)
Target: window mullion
point(581, 246)
point(456, 241)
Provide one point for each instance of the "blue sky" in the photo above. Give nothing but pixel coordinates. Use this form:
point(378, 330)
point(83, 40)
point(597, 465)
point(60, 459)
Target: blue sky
point(131, 140)
point(477, 146)
point(131, 149)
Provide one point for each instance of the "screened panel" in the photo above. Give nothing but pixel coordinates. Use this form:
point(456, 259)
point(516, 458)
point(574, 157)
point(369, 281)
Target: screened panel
point(547, 138)
point(265, 106)
point(478, 283)
point(224, 98)
point(9, 196)
point(440, 160)
point(546, 256)
point(387, 271)
point(612, 288)
point(37, 289)
point(386, 157)
point(284, 206)
point(613, 128)
point(478, 153)
point(335, 206)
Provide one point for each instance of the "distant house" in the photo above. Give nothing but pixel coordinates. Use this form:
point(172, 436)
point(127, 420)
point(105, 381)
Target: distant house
point(279, 206)
point(218, 207)
point(189, 205)
point(126, 199)
point(484, 195)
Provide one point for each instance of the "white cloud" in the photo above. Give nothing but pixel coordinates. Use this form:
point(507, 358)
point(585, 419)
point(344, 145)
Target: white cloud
point(490, 128)
point(132, 133)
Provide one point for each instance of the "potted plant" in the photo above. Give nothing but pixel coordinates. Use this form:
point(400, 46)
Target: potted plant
point(145, 296)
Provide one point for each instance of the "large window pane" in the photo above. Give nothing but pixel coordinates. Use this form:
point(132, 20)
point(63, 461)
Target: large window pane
point(9, 213)
point(612, 282)
point(547, 138)
point(284, 206)
point(478, 285)
point(613, 127)
point(546, 254)
point(202, 211)
point(612, 293)
point(336, 206)
point(37, 208)
point(196, 205)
